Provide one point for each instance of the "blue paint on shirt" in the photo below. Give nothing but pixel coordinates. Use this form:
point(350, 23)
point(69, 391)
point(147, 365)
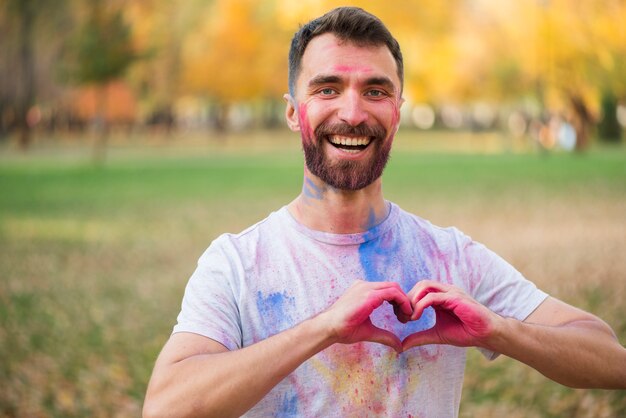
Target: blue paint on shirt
point(289, 405)
point(276, 309)
point(381, 261)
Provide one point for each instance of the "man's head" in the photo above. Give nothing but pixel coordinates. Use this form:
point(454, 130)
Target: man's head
point(345, 96)
point(349, 24)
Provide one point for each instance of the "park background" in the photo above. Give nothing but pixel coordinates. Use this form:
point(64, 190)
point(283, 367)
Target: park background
point(133, 132)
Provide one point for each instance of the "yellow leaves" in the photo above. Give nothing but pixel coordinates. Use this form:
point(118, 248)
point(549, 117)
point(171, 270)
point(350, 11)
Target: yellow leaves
point(236, 50)
point(234, 54)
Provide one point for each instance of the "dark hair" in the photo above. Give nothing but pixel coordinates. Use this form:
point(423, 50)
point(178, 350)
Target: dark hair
point(351, 24)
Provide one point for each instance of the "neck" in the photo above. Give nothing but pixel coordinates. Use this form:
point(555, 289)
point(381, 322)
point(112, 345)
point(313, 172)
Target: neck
point(323, 208)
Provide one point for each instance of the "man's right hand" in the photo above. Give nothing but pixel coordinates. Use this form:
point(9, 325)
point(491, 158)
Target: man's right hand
point(196, 376)
point(348, 319)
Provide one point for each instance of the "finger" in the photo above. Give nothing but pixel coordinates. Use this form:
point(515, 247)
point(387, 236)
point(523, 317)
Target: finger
point(424, 287)
point(402, 317)
point(429, 336)
point(430, 299)
point(396, 297)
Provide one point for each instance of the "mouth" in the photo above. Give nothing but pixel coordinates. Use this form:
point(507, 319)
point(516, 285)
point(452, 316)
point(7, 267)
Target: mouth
point(350, 144)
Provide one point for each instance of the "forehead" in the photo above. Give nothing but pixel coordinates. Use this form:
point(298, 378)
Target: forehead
point(326, 54)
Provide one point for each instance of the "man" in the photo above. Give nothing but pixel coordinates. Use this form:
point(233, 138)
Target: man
point(288, 318)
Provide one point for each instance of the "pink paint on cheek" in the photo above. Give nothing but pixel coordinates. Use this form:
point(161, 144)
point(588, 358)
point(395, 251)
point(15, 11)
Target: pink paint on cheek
point(395, 115)
point(305, 126)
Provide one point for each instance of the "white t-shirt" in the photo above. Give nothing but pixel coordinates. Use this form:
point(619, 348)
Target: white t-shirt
point(277, 273)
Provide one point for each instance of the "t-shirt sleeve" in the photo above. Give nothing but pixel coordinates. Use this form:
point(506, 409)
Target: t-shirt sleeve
point(498, 285)
point(209, 305)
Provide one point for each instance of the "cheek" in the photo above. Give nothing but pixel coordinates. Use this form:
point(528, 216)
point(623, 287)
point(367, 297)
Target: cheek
point(393, 111)
point(305, 126)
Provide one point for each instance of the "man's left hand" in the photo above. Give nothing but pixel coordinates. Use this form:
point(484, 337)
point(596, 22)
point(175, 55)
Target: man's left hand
point(460, 320)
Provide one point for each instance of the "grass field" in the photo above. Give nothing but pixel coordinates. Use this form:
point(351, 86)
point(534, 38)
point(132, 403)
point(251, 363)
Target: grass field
point(94, 260)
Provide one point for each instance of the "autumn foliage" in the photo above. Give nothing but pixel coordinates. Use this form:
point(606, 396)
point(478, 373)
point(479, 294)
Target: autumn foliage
point(540, 56)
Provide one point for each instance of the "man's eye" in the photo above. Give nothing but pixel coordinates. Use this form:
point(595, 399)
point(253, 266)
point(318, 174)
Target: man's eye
point(375, 93)
point(327, 91)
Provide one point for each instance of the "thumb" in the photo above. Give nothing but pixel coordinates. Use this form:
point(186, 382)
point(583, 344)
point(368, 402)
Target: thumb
point(382, 336)
point(429, 336)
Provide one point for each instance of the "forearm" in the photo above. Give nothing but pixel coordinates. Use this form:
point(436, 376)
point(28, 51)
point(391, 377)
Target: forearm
point(230, 383)
point(581, 354)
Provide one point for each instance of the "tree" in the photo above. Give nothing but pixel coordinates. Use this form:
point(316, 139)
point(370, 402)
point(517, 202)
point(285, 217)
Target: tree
point(23, 19)
point(565, 54)
point(102, 51)
point(237, 54)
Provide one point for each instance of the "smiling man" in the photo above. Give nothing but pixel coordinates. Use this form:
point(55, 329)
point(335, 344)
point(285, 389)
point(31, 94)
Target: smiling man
point(341, 303)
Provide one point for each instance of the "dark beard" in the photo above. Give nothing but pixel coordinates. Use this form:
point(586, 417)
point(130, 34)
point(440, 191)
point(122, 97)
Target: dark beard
point(347, 175)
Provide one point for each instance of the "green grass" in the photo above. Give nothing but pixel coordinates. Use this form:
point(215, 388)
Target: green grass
point(94, 260)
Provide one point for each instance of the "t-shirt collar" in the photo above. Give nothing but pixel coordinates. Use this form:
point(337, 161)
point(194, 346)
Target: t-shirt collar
point(343, 239)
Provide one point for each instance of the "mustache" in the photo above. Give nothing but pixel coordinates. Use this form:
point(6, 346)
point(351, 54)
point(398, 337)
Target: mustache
point(362, 129)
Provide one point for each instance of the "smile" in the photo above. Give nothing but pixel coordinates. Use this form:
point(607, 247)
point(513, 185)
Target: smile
point(349, 143)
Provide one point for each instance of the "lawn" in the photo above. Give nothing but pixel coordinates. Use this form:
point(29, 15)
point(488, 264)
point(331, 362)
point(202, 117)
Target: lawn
point(94, 260)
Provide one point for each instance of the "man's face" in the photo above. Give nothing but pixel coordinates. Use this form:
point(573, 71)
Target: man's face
point(347, 109)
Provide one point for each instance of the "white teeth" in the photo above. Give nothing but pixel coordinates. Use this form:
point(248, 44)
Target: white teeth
point(349, 141)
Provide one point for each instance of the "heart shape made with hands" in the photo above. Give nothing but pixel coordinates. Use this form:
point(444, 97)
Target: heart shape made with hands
point(459, 319)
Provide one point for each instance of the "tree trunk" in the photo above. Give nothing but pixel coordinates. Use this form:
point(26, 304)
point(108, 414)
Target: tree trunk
point(101, 125)
point(26, 99)
point(583, 121)
point(609, 129)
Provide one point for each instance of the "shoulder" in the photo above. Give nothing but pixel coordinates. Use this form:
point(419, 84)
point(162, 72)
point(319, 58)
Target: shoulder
point(431, 234)
point(243, 245)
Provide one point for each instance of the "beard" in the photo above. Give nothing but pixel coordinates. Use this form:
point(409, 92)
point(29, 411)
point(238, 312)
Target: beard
point(347, 174)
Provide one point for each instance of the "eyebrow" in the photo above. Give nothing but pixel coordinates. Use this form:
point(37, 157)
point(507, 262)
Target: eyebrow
point(334, 79)
point(380, 81)
point(324, 79)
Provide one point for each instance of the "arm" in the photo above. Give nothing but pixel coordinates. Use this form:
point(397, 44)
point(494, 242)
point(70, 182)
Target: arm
point(566, 344)
point(196, 376)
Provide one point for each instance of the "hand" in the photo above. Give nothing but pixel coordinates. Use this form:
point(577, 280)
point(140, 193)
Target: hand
point(460, 320)
point(349, 317)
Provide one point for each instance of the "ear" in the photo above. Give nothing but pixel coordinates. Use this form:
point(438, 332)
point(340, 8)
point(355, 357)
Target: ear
point(291, 113)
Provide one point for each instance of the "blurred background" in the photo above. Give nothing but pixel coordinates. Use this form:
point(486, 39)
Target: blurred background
point(552, 71)
point(133, 132)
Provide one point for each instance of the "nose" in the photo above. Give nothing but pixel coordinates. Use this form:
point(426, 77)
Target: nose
point(351, 109)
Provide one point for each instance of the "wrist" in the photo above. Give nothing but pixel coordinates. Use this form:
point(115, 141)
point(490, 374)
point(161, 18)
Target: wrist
point(499, 337)
point(320, 326)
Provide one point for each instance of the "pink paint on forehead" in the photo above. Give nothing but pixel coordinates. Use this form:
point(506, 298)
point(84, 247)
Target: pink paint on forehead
point(351, 69)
